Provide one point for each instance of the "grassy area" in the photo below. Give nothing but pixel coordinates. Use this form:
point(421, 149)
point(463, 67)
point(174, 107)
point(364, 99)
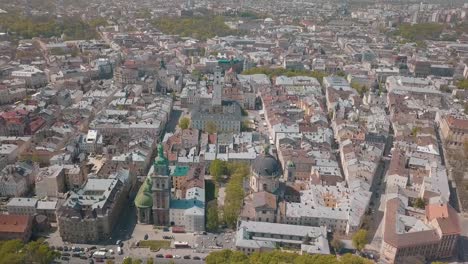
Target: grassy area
point(155, 245)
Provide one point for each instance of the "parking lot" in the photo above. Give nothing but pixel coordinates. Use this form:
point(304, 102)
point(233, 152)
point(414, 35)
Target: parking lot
point(200, 245)
point(209, 242)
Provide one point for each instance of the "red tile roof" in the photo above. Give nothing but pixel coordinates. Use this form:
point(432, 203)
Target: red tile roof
point(14, 223)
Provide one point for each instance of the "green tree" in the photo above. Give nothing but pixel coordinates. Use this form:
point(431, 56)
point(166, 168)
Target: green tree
point(217, 169)
point(462, 84)
point(234, 193)
point(184, 122)
point(419, 32)
point(199, 27)
point(245, 126)
point(14, 251)
point(419, 203)
point(109, 261)
point(337, 244)
point(137, 261)
point(353, 259)
point(197, 74)
point(127, 260)
point(150, 261)
point(415, 131)
point(210, 127)
point(212, 218)
point(360, 239)
point(361, 89)
point(280, 257)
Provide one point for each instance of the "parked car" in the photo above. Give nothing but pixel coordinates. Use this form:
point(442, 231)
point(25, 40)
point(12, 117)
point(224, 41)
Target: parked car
point(187, 257)
point(166, 229)
point(93, 247)
point(176, 256)
point(146, 237)
point(168, 256)
point(60, 248)
point(196, 258)
point(160, 256)
point(65, 248)
point(65, 258)
point(118, 243)
point(66, 254)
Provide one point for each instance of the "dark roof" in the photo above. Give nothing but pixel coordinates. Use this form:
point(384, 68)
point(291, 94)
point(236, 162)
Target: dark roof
point(266, 165)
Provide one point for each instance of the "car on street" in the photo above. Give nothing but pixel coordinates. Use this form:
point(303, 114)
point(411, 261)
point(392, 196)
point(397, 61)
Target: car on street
point(177, 257)
point(187, 257)
point(196, 258)
point(65, 258)
point(118, 243)
point(66, 254)
point(166, 229)
point(146, 237)
point(168, 256)
point(160, 256)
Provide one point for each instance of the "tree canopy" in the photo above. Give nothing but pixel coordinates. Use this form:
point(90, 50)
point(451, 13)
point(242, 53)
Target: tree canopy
point(419, 203)
point(184, 122)
point(463, 84)
point(234, 192)
point(420, 32)
point(337, 244)
point(360, 239)
point(15, 251)
point(361, 89)
point(210, 127)
point(199, 27)
point(217, 169)
point(29, 27)
point(276, 257)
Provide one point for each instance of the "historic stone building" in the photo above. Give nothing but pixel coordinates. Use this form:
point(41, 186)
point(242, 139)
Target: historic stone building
point(153, 198)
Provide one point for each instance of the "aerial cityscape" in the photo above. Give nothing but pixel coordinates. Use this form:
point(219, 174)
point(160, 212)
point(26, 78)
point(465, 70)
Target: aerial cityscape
point(242, 131)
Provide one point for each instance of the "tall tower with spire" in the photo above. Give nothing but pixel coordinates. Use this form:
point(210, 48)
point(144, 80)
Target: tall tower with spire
point(217, 87)
point(161, 189)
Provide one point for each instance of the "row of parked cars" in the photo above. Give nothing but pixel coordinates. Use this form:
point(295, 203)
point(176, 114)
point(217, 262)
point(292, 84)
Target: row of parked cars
point(169, 256)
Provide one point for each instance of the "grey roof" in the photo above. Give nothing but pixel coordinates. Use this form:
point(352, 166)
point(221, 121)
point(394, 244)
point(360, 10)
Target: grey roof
point(266, 165)
point(24, 202)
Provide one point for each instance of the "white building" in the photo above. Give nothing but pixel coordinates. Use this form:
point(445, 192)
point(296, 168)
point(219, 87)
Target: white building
point(338, 208)
point(22, 206)
point(189, 212)
point(33, 76)
point(261, 236)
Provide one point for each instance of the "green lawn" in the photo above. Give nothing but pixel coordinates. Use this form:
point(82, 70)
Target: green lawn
point(155, 245)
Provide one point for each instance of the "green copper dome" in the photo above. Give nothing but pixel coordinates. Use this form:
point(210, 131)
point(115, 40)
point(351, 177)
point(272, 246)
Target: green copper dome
point(144, 198)
point(161, 159)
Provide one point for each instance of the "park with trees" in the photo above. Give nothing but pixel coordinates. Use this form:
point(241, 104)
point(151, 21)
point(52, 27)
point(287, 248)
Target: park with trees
point(277, 257)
